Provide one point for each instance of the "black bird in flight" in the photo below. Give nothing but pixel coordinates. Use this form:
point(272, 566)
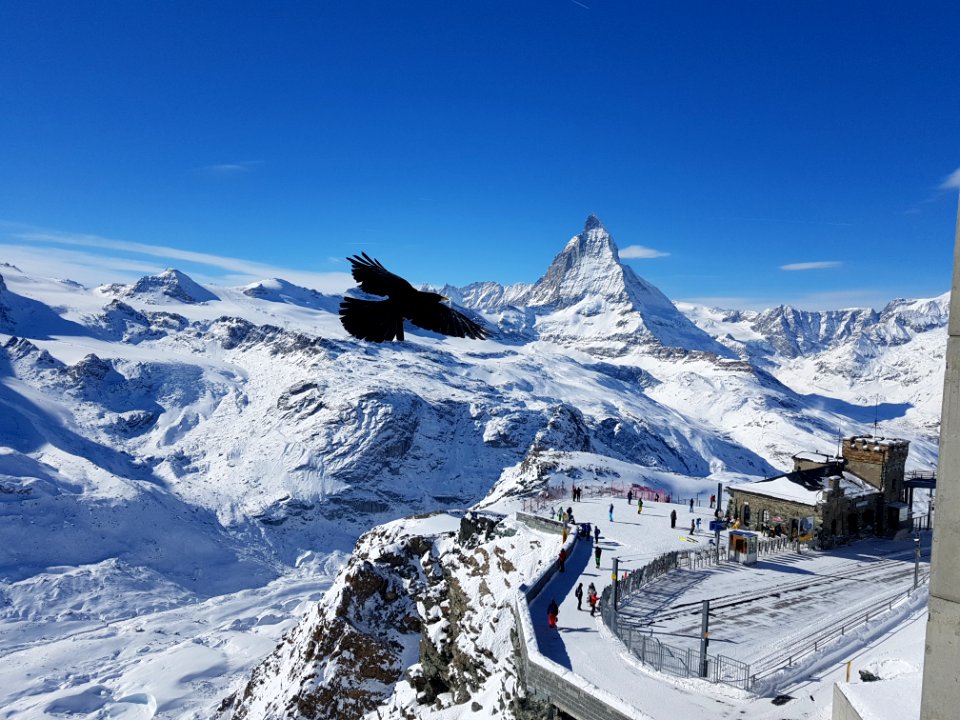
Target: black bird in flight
point(380, 320)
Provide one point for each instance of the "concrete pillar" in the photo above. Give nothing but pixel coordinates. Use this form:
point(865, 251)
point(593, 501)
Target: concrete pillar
point(941, 683)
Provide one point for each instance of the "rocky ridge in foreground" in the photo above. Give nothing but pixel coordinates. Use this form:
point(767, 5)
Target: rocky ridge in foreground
point(417, 623)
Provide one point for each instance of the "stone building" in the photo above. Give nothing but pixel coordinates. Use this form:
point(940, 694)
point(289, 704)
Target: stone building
point(856, 493)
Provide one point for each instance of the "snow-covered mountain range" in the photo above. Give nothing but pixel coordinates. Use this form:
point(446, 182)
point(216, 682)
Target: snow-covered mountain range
point(197, 441)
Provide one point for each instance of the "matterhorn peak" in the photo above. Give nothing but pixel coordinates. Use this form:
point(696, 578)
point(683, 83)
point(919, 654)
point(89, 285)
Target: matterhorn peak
point(588, 265)
point(593, 223)
point(588, 280)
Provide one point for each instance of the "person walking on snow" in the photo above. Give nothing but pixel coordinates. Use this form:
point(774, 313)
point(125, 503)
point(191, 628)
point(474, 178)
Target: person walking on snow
point(593, 601)
point(639, 505)
point(596, 555)
point(578, 593)
point(596, 533)
point(553, 612)
point(566, 532)
point(692, 525)
point(629, 496)
point(698, 524)
point(562, 558)
point(691, 504)
point(611, 512)
point(673, 519)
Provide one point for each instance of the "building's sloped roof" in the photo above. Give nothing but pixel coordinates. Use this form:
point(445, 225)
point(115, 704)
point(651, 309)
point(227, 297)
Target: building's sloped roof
point(807, 487)
point(812, 456)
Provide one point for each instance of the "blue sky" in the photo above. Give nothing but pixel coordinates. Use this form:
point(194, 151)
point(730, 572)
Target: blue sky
point(464, 141)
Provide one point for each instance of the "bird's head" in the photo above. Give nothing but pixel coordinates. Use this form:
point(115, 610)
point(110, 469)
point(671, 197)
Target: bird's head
point(436, 297)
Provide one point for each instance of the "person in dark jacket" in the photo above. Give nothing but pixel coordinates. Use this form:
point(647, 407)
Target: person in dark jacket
point(673, 518)
point(596, 533)
point(553, 612)
point(596, 554)
point(578, 593)
point(629, 497)
point(562, 558)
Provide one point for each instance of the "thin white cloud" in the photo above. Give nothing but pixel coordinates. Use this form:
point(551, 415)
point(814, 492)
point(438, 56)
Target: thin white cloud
point(227, 169)
point(99, 255)
point(821, 265)
point(640, 252)
point(952, 181)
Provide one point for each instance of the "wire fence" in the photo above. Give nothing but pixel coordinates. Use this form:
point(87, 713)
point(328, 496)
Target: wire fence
point(660, 655)
point(546, 498)
point(688, 662)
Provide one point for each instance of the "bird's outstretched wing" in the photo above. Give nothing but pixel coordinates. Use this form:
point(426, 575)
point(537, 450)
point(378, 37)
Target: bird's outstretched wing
point(373, 320)
point(442, 319)
point(375, 279)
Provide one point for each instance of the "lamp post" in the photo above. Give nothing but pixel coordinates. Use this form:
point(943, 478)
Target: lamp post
point(916, 561)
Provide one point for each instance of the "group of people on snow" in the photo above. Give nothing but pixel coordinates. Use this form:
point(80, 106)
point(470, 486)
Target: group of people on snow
point(592, 598)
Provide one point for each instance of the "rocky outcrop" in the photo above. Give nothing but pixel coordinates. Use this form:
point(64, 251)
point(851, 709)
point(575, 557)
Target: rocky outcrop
point(6, 316)
point(413, 626)
point(120, 321)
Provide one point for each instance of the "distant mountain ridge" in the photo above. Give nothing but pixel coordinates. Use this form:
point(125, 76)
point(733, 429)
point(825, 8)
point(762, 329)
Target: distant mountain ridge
point(208, 440)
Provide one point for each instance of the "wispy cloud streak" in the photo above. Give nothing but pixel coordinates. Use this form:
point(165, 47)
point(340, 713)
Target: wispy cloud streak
point(640, 252)
point(227, 169)
point(952, 181)
point(219, 268)
point(821, 265)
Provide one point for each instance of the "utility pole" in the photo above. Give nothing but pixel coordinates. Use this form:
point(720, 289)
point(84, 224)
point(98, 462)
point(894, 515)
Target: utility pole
point(616, 583)
point(716, 519)
point(916, 561)
point(704, 637)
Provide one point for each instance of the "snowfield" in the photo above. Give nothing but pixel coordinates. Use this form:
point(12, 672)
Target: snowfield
point(185, 471)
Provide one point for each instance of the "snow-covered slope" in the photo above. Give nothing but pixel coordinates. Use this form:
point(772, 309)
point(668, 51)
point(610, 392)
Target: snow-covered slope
point(208, 439)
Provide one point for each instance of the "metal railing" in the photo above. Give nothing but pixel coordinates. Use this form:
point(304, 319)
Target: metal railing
point(666, 658)
point(800, 648)
point(660, 655)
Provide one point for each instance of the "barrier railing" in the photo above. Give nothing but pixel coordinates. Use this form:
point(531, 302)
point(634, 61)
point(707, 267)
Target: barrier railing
point(680, 662)
point(800, 648)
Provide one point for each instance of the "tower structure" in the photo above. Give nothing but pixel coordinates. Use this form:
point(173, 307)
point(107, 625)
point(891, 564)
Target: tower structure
point(880, 461)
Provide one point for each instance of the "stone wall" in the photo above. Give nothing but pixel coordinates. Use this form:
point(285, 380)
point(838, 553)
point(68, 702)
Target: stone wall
point(758, 503)
point(835, 515)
